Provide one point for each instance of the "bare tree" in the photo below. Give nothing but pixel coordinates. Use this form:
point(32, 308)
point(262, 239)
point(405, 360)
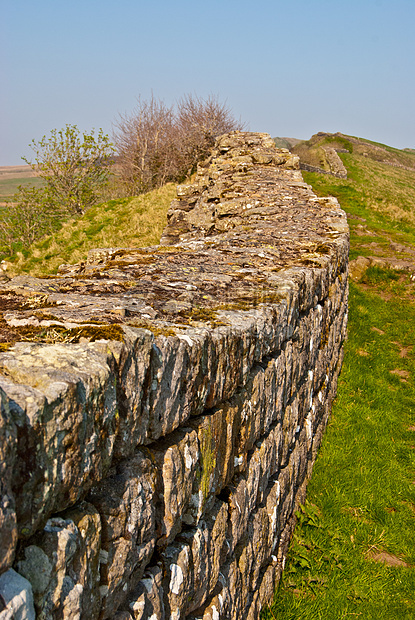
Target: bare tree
point(145, 144)
point(200, 122)
point(157, 143)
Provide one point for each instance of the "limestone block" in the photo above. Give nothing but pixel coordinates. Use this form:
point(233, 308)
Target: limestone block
point(234, 589)
point(208, 549)
point(268, 581)
point(63, 403)
point(262, 402)
point(238, 513)
point(176, 377)
point(233, 355)
point(16, 592)
point(178, 579)
point(147, 601)
point(253, 607)
point(285, 478)
point(8, 525)
point(253, 477)
point(125, 501)
point(131, 361)
point(178, 468)
point(219, 606)
point(62, 565)
point(289, 429)
point(257, 546)
point(216, 435)
point(246, 559)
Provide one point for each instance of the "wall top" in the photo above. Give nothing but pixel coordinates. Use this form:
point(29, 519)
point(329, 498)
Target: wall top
point(244, 231)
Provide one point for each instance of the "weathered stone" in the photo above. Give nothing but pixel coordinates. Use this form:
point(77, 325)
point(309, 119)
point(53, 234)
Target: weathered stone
point(62, 400)
point(178, 466)
point(132, 367)
point(16, 592)
point(178, 579)
point(62, 565)
point(216, 434)
point(125, 501)
point(147, 601)
point(208, 550)
point(8, 523)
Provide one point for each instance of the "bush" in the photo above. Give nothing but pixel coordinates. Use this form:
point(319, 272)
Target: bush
point(74, 167)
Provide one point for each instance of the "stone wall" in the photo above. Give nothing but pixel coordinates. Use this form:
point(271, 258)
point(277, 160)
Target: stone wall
point(333, 161)
point(161, 408)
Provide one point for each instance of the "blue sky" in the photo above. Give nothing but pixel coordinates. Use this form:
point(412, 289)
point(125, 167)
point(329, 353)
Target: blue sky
point(290, 68)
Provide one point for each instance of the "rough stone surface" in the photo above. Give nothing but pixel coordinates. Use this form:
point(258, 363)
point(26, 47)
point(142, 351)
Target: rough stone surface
point(8, 523)
point(16, 596)
point(125, 500)
point(62, 564)
point(162, 408)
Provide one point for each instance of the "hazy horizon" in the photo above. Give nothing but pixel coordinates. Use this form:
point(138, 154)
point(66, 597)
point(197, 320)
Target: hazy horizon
point(289, 69)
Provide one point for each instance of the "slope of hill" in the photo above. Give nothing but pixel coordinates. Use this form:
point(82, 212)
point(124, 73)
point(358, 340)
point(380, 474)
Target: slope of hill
point(286, 143)
point(126, 222)
point(352, 554)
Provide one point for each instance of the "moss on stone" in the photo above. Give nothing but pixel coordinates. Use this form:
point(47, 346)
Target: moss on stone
point(208, 459)
point(157, 331)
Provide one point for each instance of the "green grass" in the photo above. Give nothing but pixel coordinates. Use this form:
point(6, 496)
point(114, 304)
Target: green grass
point(361, 498)
point(126, 222)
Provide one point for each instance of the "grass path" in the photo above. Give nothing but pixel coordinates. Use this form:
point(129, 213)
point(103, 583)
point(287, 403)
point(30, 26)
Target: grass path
point(353, 552)
point(361, 498)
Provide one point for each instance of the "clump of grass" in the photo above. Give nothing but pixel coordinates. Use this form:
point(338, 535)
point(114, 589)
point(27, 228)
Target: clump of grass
point(376, 275)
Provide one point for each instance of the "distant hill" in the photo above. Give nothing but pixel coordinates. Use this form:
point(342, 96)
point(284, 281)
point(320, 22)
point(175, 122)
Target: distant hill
point(378, 195)
point(286, 143)
point(314, 151)
point(14, 172)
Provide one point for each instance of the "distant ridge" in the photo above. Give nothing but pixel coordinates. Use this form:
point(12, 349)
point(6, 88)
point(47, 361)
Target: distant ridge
point(286, 143)
point(15, 172)
point(313, 152)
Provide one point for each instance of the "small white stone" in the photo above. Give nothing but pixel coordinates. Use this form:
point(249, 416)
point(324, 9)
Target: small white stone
point(186, 339)
point(238, 460)
point(176, 578)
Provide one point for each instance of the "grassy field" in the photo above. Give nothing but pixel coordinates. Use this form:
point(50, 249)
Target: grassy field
point(353, 552)
point(8, 187)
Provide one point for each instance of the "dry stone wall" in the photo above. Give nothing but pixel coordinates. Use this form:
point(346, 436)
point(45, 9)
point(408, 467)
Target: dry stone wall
point(161, 408)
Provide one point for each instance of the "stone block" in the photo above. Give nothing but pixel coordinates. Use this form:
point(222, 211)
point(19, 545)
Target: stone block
point(147, 601)
point(178, 468)
point(62, 401)
point(131, 365)
point(8, 522)
point(16, 592)
point(126, 504)
point(62, 564)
